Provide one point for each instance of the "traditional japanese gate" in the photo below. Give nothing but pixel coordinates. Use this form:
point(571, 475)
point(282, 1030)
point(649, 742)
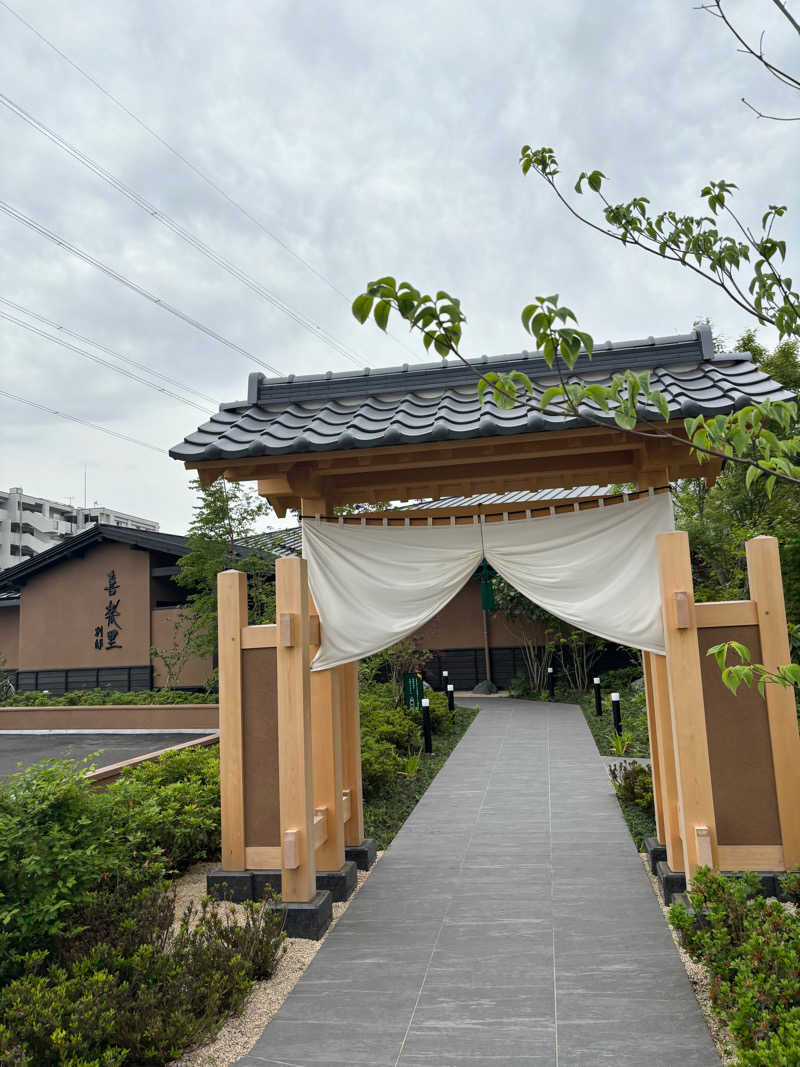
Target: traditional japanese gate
point(725, 768)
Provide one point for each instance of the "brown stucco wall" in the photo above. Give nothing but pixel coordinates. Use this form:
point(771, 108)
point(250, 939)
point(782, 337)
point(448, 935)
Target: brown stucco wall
point(459, 625)
point(113, 717)
point(164, 635)
point(9, 638)
point(62, 605)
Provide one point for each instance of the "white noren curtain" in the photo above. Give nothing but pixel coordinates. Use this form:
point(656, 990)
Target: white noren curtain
point(596, 569)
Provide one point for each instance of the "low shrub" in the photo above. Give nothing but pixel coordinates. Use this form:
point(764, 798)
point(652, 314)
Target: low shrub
point(633, 782)
point(751, 946)
point(380, 764)
point(62, 842)
point(37, 698)
point(145, 995)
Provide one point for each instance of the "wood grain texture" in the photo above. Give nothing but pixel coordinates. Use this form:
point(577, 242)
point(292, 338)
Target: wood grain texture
point(231, 618)
point(662, 714)
point(351, 751)
point(766, 588)
point(294, 731)
point(693, 772)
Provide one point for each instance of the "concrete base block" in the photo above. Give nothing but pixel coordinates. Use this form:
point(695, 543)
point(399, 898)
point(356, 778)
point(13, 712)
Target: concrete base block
point(671, 882)
point(310, 919)
point(236, 886)
point(655, 852)
point(341, 883)
point(363, 855)
point(264, 881)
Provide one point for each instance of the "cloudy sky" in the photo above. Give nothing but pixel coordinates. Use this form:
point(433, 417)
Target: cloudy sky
point(366, 138)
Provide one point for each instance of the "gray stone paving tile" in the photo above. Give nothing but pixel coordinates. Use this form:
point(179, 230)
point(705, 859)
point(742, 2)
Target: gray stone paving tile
point(511, 916)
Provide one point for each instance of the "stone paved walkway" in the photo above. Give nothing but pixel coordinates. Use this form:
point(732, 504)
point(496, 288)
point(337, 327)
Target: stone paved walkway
point(511, 922)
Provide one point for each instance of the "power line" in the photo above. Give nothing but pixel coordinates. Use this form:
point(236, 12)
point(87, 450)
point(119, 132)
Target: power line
point(211, 182)
point(101, 362)
point(180, 231)
point(110, 351)
point(83, 422)
point(111, 273)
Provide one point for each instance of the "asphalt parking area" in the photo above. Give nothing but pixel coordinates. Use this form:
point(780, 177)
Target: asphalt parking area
point(27, 748)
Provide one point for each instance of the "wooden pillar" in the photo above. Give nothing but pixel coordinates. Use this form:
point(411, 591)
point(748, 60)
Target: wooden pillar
point(231, 617)
point(692, 766)
point(326, 748)
point(766, 589)
point(655, 744)
point(351, 752)
point(661, 724)
point(299, 876)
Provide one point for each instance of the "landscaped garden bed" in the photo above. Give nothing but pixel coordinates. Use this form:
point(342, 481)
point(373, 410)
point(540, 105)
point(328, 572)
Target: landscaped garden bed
point(97, 965)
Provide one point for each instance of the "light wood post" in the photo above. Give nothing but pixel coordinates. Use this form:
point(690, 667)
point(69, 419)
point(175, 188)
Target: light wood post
point(351, 752)
point(326, 748)
point(668, 784)
point(655, 743)
point(231, 617)
point(299, 876)
point(766, 589)
point(692, 766)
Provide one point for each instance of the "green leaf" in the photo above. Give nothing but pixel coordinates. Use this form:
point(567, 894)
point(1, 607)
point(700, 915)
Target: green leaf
point(624, 419)
point(753, 473)
point(362, 305)
point(659, 402)
point(549, 395)
point(382, 309)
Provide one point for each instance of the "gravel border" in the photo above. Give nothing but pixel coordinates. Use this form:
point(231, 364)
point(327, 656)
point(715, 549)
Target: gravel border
point(699, 978)
point(239, 1033)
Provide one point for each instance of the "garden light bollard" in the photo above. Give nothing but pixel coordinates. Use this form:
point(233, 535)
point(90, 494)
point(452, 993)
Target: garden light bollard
point(451, 700)
point(598, 697)
point(426, 725)
point(616, 713)
point(551, 683)
point(445, 677)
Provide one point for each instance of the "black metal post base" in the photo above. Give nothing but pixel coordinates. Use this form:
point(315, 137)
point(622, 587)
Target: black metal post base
point(363, 855)
point(306, 919)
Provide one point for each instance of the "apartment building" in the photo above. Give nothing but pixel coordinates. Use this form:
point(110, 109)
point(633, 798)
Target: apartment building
point(31, 524)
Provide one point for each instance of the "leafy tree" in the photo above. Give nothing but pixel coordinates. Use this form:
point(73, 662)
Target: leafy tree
point(224, 520)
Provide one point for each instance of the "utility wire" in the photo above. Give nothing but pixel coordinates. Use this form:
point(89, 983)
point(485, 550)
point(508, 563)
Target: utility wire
point(80, 254)
point(102, 362)
point(110, 351)
point(193, 167)
point(83, 422)
point(185, 235)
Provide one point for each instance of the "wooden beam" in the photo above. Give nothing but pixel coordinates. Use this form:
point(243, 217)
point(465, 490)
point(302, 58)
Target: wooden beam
point(351, 752)
point(231, 619)
point(299, 880)
point(326, 748)
point(655, 748)
point(692, 764)
point(320, 828)
point(260, 636)
point(662, 716)
point(263, 857)
point(766, 588)
point(726, 613)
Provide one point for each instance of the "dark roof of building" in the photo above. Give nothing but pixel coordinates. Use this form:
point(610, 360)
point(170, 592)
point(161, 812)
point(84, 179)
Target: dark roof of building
point(438, 401)
point(286, 542)
point(167, 544)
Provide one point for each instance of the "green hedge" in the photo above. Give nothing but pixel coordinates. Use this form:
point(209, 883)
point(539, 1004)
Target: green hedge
point(751, 946)
point(106, 696)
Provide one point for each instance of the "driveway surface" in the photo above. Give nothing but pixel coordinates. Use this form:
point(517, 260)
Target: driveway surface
point(27, 748)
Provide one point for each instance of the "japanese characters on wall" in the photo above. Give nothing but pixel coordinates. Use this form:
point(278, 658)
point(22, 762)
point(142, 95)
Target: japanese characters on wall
point(107, 636)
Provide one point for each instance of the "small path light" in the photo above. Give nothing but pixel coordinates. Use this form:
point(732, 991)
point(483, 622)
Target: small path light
point(551, 683)
point(445, 676)
point(426, 725)
point(598, 697)
point(616, 713)
point(451, 699)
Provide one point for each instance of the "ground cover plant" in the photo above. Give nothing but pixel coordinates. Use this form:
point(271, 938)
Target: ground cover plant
point(633, 784)
point(96, 968)
point(751, 947)
point(38, 698)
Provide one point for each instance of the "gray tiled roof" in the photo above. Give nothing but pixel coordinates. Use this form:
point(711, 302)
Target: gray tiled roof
point(438, 401)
